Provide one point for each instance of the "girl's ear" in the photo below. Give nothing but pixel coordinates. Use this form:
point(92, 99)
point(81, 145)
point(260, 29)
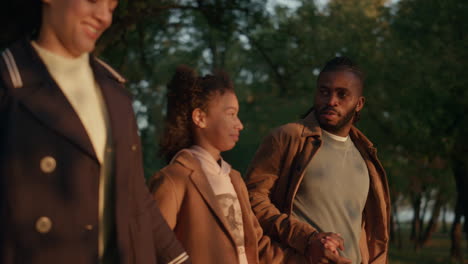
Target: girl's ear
point(199, 118)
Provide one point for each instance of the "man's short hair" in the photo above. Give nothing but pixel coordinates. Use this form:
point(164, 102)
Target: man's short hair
point(343, 63)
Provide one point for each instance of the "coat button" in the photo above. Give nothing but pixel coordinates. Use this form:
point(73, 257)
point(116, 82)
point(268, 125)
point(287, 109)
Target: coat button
point(134, 147)
point(43, 225)
point(109, 150)
point(89, 227)
point(48, 164)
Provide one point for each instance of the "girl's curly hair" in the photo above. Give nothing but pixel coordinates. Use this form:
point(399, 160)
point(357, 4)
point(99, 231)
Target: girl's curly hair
point(186, 91)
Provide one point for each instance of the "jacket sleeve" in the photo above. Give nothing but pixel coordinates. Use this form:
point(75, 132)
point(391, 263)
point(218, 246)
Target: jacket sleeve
point(3, 97)
point(168, 248)
point(5, 246)
point(270, 252)
point(3, 106)
point(4, 101)
point(262, 178)
point(163, 190)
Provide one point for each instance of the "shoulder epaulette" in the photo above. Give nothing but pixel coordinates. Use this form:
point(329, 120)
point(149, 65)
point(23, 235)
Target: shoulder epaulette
point(112, 71)
point(12, 68)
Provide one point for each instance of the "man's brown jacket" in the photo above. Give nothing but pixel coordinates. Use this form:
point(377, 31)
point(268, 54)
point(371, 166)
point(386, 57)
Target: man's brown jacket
point(277, 170)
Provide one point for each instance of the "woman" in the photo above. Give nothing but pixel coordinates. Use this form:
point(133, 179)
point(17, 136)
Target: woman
point(201, 197)
point(71, 181)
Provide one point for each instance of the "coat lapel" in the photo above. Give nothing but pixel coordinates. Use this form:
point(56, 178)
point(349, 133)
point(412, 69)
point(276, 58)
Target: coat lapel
point(117, 102)
point(203, 186)
point(121, 124)
point(45, 100)
point(312, 142)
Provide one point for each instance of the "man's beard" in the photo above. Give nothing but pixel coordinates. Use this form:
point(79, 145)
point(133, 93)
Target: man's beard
point(346, 119)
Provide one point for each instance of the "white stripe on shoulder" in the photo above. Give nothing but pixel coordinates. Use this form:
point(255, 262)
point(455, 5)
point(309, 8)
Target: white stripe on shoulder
point(111, 70)
point(183, 259)
point(12, 68)
point(180, 259)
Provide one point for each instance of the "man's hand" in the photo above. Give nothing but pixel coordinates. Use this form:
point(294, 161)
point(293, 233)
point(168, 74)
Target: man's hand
point(323, 247)
point(332, 242)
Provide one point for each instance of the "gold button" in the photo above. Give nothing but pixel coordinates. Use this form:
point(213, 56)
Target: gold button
point(43, 225)
point(134, 147)
point(109, 150)
point(89, 227)
point(48, 164)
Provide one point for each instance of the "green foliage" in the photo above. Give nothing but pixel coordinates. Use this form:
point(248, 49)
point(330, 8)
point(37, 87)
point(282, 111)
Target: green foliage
point(413, 52)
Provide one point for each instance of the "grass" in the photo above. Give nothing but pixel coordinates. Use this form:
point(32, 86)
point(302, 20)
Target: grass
point(436, 252)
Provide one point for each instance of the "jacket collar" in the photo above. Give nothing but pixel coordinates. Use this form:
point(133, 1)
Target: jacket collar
point(311, 126)
point(187, 160)
point(42, 96)
point(312, 129)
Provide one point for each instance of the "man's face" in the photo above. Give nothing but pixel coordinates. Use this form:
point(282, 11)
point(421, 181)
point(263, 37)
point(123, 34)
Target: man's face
point(338, 98)
point(72, 27)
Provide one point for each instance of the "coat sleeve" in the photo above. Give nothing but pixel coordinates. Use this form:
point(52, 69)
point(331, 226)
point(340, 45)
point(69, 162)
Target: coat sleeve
point(163, 189)
point(262, 177)
point(3, 97)
point(5, 101)
point(3, 106)
point(270, 252)
point(4, 244)
point(168, 248)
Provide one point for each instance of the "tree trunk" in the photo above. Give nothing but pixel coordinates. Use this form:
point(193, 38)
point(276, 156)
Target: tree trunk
point(392, 226)
point(416, 223)
point(426, 198)
point(395, 231)
point(433, 223)
point(460, 172)
point(456, 235)
point(444, 219)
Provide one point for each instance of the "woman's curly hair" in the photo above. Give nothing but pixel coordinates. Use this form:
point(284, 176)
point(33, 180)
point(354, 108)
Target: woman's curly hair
point(186, 91)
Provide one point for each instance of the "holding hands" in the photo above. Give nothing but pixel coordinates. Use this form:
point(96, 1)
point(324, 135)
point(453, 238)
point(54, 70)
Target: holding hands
point(323, 248)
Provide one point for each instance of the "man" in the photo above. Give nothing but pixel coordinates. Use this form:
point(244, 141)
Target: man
point(321, 174)
point(71, 179)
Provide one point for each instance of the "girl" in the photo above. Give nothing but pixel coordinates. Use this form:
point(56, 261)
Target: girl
point(202, 198)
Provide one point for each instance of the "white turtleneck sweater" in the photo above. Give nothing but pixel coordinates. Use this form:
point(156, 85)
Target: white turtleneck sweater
point(76, 80)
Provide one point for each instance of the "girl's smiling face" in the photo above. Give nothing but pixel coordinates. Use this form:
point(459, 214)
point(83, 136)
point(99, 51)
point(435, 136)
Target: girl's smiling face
point(219, 126)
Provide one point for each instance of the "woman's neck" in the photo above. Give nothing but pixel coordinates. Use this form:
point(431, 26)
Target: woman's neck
point(215, 153)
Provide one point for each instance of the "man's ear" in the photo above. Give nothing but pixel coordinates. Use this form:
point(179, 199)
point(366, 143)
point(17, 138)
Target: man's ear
point(360, 103)
point(199, 118)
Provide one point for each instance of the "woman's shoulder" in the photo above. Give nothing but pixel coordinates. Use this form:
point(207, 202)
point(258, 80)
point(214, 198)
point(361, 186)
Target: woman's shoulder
point(180, 168)
point(173, 176)
point(235, 174)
